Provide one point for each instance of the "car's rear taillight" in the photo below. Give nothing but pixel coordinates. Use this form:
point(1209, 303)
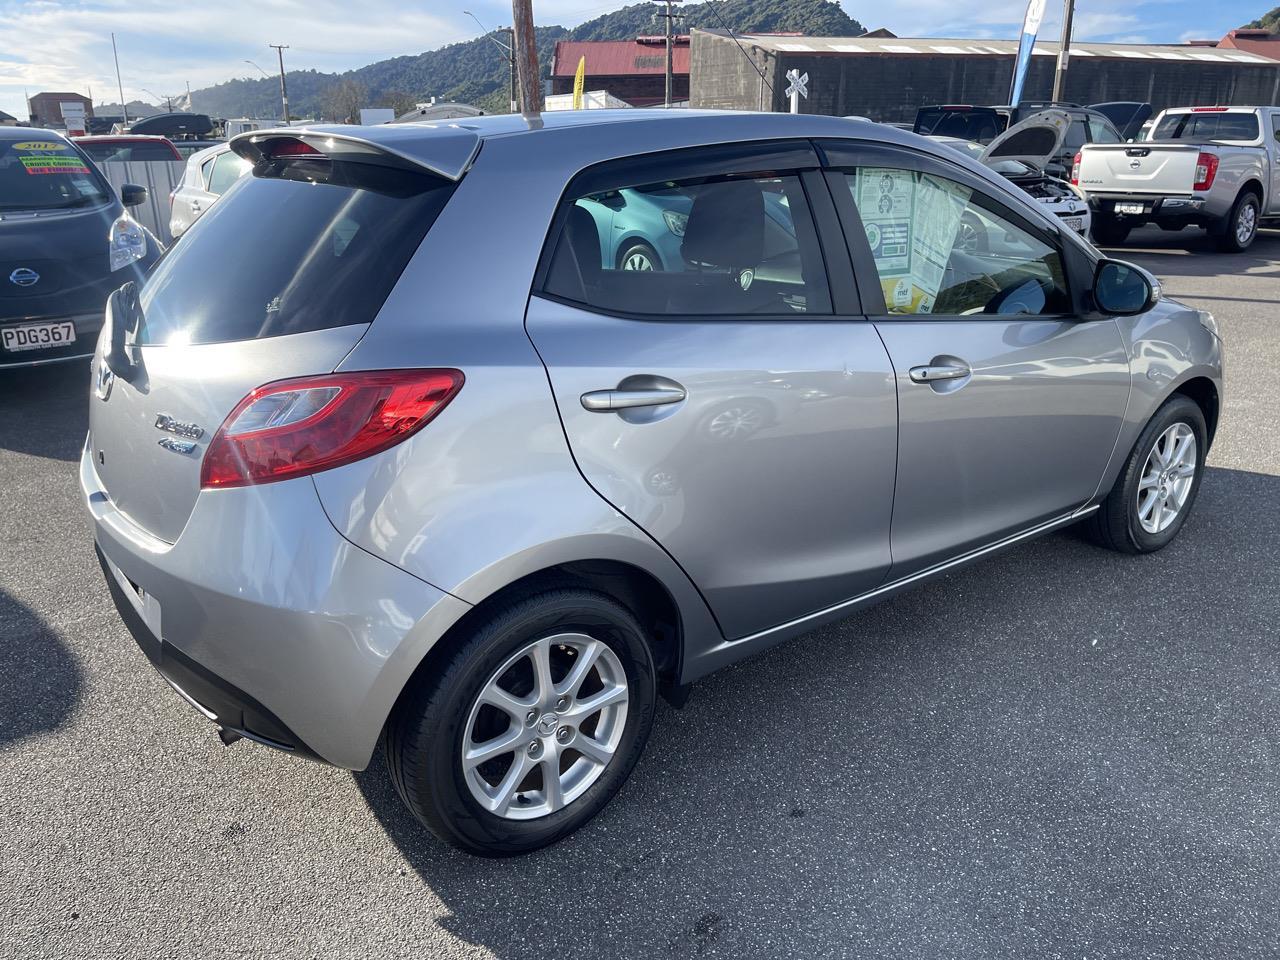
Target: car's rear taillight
point(295, 427)
point(1206, 170)
point(1075, 170)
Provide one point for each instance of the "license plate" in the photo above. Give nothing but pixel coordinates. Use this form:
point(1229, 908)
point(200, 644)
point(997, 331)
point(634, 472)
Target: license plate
point(1074, 223)
point(1129, 208)
point(38, 336)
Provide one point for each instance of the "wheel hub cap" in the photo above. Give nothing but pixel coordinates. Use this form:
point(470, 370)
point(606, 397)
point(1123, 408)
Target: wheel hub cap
point(544, 726)
point(1167, 477)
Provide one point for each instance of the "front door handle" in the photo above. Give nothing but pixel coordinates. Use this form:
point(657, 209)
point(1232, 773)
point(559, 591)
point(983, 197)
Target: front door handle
point(605, 401)
point(931, 373)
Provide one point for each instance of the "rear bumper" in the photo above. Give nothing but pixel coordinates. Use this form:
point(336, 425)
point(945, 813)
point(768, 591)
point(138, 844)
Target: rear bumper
point(1187, 209)
point(267, 620)
point(87, 328)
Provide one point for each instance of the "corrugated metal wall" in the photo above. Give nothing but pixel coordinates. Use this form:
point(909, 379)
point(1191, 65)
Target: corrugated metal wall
point(159, 177)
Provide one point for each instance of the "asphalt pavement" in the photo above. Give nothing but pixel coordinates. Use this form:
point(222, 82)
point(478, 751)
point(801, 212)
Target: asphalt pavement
point(1057, 753)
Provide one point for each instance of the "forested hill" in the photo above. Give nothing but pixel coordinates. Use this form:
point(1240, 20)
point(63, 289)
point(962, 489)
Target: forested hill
point(476, 71)
point(1268, 21)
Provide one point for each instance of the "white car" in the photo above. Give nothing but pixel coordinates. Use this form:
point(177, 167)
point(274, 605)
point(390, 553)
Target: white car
point(1030, 155)
point(208, 175)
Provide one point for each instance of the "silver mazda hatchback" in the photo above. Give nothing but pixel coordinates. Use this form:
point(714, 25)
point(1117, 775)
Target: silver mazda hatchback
point(396, 447)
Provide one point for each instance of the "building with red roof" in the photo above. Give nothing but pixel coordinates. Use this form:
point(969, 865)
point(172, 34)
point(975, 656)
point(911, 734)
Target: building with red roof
point(631, 70)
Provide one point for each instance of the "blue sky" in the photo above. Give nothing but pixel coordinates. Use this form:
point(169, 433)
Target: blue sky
point(65, 44)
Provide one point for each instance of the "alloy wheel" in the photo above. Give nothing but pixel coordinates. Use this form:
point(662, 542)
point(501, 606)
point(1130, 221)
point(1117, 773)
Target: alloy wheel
point(1246, 223)
point(1167, 477)
point(637, 260)
point(544, 726)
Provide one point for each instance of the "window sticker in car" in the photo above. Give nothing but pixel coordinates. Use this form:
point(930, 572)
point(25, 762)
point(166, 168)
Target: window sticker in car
point(43, 158)
point(939, 205)
point(912, 222)
point(885, 197)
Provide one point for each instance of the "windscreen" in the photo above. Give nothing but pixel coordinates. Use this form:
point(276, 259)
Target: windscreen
point(980, 126)
point(1203, 127)
point(296, 247)
point(47, 174)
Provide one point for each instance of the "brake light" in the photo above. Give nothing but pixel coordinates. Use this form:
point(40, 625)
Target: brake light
point(1206, 170)
point(292, 428)
point(1075, 170)
point(284, 148)
point(1208, 109)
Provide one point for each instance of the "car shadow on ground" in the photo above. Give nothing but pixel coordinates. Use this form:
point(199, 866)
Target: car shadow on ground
point(1047, 753)
point(44, 411)
point(1192, 253)
point(40, 680)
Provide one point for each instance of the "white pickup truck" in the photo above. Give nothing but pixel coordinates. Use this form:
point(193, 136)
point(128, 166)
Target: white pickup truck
point(1215, 167)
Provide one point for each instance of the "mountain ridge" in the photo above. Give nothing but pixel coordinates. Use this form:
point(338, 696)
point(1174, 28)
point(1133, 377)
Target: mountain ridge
point(400, 82)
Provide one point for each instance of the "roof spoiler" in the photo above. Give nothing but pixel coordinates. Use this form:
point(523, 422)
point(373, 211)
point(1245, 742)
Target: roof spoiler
point(445, 149)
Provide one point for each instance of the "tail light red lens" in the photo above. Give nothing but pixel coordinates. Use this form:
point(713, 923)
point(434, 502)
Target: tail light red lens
point(1075, 170)
point(292, 428)
point(1206, 170)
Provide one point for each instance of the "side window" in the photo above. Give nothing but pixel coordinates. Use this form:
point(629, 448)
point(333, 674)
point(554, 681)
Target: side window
point(227, 168)
point(206, 170)
point(938, 251)
point(707, 246)
point(1100, 132)
point(1275, 125)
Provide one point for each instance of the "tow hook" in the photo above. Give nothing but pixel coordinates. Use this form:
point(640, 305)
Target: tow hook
point(228, 737)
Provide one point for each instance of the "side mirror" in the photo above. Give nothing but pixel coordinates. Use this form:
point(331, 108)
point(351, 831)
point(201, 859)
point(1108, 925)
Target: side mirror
point(131, 194)
point(1122, 289)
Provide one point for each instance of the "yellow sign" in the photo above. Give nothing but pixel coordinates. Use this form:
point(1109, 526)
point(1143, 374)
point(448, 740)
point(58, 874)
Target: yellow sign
point(579, 79)
point(39, 145)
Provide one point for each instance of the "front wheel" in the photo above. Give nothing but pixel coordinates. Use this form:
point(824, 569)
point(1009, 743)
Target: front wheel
point(639, 256)
point(530, 728)
point(1157, 487)
point(1110, 230)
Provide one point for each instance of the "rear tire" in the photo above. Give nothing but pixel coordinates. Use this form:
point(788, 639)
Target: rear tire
point(1110, 230)
point(1120, 523)
point(439, 719)
point(1240, 228)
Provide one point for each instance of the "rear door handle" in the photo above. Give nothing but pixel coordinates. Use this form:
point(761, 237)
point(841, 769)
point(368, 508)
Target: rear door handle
point(930, 373)
point(604, 401)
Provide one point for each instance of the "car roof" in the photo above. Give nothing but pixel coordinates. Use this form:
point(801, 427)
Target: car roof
point(28, 133)
point(449, 147)
point(121, 138)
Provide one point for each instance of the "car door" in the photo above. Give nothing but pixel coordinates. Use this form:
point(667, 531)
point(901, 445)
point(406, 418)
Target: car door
point(738, 408)
point(1271, 138)
point(1010, 400)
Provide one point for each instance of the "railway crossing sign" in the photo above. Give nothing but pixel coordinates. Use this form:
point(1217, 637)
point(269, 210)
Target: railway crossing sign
point(797, 87)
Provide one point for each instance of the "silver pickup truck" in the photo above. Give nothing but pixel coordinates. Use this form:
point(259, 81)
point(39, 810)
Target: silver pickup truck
point(1214, 167)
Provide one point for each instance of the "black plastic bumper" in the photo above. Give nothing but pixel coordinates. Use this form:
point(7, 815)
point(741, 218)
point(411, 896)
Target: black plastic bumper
point(222, 702)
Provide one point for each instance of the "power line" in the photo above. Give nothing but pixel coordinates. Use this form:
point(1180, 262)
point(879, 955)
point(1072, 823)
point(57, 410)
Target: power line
point(732, 36)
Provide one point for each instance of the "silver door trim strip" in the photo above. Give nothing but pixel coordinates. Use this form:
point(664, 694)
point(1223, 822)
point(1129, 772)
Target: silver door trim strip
point(919, 575)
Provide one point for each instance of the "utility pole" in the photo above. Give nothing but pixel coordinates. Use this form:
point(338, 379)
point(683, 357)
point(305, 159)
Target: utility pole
point(123, 108)
point(525, 44)
point(280, 48)
point(669, 17)
point(1064, 52)
point(189, 95)
point(511, 57)
point(508, 48)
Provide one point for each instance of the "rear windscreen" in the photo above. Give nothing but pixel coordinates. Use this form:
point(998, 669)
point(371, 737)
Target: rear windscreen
point(301, 247)
point(1202, 127)
point(980, 126)
point(121, 152)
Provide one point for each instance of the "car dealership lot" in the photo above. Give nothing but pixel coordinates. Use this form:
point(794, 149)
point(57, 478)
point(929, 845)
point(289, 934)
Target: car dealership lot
point(1058, 752)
